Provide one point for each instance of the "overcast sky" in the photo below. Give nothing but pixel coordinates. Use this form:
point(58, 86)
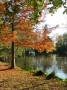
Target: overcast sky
point(58, 18)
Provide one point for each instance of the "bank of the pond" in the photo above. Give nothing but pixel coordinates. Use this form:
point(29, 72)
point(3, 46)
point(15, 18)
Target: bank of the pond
point(17, 79)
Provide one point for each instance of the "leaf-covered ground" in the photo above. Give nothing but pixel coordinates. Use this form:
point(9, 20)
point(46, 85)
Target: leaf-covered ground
point(16, 79)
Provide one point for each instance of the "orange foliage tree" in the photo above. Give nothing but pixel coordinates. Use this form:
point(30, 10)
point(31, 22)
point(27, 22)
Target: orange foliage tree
point(17, 18)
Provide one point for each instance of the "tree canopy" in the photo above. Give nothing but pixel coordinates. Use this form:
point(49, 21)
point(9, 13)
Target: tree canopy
point(17, 18)
point(61, 44)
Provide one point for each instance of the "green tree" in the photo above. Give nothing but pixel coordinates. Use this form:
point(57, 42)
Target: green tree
point(61, 45)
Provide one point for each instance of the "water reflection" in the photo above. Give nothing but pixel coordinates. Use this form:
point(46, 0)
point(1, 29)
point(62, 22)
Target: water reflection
point(54, 67)
point(45, 63)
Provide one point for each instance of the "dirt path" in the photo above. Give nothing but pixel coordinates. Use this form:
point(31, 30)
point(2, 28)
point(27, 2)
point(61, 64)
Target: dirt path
point(16, 79)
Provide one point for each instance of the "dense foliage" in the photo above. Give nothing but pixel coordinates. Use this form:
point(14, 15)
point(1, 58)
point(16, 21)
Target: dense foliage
point(17, 18)
point(61, 45)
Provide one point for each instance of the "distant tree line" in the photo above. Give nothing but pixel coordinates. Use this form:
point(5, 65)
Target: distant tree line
point(61, 45)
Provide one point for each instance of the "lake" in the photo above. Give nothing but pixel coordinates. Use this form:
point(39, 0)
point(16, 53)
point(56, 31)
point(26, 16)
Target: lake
point(46, 63)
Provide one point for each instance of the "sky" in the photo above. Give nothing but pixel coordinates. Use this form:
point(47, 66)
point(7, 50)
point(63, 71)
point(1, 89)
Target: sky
point(58, 18)
point(50, 21)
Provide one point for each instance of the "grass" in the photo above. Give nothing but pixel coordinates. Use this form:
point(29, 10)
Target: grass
point(17, 79)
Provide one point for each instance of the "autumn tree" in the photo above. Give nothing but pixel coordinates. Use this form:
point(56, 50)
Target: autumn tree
point(14, 17)
point(17, 18)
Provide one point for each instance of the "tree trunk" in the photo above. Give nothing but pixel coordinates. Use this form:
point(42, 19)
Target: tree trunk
point(13, 57)
point(13, 54)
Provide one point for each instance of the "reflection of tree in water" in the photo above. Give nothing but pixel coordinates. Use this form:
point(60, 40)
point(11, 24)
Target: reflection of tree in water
point(46, 60)
point(53, 66)
point(24, 62)
point(34, 62)
point(62, 63)
point(42, 62)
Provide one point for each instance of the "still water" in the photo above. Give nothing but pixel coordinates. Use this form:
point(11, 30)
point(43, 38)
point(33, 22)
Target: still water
point(45, 63)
